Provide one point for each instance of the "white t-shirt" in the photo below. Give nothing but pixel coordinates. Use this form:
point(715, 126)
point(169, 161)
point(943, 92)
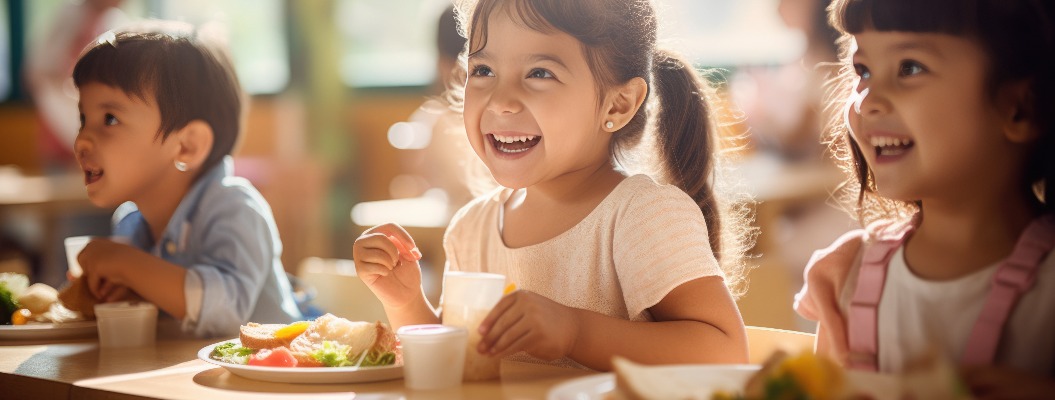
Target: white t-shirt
point(642, 241)
point(919, 317)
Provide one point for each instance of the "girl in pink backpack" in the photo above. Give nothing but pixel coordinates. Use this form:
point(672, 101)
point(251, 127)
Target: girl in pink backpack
point(942, 116)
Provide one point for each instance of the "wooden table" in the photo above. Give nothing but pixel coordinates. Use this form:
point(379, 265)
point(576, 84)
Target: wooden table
point(79, 369)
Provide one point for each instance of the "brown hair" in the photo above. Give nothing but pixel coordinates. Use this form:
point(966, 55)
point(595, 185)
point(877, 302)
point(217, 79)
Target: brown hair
point(191, 78)
point(618, 40)
point(1019, 39)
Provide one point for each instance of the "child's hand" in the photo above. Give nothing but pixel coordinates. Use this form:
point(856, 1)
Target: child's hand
point(526, 321)
point(386, 259)
point(104, 271)
point(990, 382)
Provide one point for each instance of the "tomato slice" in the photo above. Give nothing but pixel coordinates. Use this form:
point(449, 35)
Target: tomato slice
point(276, 357)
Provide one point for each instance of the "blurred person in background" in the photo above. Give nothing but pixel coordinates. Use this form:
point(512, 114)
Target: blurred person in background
point(49, 65)
point(783, 106)
point(439, 159)
point(782, 103)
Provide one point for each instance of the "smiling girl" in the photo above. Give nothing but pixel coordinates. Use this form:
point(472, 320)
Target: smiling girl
point(947, 136)
point(554, 94)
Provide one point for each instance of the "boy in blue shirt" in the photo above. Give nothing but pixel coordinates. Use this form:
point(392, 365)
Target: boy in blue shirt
point(161, 111)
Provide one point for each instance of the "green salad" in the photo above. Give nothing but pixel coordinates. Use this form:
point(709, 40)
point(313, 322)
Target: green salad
point(231, 353)
point(11, 286)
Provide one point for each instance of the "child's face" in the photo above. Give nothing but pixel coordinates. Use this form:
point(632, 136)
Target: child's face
point(531, 105)
point(923, 118)
point(118, 148)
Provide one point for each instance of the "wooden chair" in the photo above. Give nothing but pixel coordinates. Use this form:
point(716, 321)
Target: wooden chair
point(762, 342)
point(339, 291)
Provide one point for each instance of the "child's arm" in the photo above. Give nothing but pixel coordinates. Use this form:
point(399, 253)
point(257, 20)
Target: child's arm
point(825, 276)
point(386, 259)
point(697, 322)
point(110, 267)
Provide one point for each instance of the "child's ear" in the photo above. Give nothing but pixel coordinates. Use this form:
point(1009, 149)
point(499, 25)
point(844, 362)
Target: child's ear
point(623, 102)
point(195, 143)
point(1017, 112)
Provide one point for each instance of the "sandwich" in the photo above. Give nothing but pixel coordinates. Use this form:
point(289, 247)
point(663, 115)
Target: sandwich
point(332, 341)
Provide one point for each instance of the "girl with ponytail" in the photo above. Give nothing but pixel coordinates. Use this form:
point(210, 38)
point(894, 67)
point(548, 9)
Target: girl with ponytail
point(607, 262)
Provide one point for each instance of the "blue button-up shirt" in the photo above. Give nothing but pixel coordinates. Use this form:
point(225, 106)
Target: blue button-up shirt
point(223, 233)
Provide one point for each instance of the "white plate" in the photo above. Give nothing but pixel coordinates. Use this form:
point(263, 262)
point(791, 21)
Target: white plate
point(304, 375)
point(707, 379)
point(38, 331)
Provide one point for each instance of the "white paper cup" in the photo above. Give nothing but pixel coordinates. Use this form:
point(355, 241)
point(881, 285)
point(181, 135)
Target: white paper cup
point(467, 299)
point(74, 245)
point(433, 356)
point(123, 324)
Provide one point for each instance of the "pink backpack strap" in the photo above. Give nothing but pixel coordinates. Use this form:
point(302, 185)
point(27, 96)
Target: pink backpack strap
point(863, 318)
point(1013, 278)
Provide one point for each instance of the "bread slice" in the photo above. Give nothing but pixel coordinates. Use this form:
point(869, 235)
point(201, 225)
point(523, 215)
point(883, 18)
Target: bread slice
point(357, 335)
point(639, 382)
point(261, 336)
point(78, 298)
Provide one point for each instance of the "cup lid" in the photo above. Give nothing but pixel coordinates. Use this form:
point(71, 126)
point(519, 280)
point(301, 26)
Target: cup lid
point(124, 308)
point(430, 331)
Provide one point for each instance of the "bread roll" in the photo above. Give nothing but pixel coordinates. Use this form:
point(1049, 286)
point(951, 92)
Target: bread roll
point(261, 336)
point(38, 298)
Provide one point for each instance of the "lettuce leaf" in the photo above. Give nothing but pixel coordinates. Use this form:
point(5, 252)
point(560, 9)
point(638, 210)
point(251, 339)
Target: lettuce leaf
point(8, 305)
point(231, 353)
point(11, 286)
point(377, 359)
point(332, 354)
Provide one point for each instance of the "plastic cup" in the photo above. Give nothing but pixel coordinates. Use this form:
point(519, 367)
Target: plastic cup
point(467, 299)
point(74, 245)
point(433, 356)
point(124, 324)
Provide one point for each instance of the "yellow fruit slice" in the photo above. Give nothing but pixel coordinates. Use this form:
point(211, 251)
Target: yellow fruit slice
point(291, 331)
point(817, 376)
point(510, 288)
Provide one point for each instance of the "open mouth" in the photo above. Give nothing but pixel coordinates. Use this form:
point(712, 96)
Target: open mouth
point(886, 146)
point(513, 144)
point(92, 175)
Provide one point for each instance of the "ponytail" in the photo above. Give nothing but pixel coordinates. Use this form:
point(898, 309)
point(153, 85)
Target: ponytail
point(685, 136)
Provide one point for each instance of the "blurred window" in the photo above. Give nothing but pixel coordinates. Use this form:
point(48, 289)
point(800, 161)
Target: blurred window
point(6, 70)
point(388, 43)
point(728, 33)
point(256, 31)
point(382, 50)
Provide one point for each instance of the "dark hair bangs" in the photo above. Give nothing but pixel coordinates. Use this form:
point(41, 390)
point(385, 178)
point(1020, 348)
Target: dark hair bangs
point(522, 12)
point(956, 17)
point(134, 72)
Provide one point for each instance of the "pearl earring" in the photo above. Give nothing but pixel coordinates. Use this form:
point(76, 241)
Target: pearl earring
point(181, 166)
point(609, 124)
